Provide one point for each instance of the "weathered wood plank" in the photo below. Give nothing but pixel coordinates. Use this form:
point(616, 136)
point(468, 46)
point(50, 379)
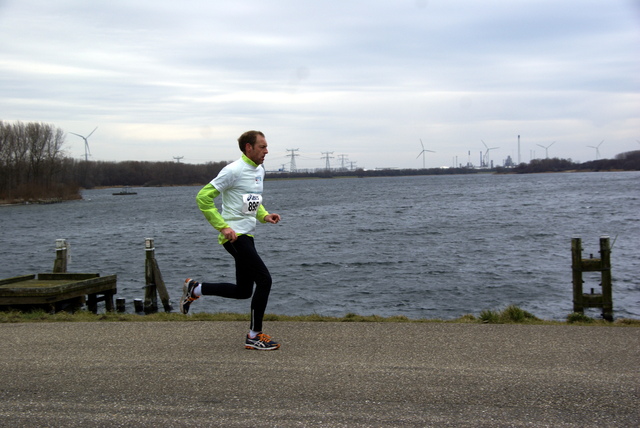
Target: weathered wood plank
point(591, 265)
point(20, 278)
point(44, 291)
point(67, 276)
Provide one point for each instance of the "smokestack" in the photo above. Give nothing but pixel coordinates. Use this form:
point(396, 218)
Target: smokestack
point(518, 150)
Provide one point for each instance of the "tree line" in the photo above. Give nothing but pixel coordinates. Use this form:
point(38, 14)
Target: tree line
point(34, 167)
point(90, 174)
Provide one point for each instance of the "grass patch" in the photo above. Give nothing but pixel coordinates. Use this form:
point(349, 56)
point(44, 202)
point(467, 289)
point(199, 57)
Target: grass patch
point(489, 316)
point(514, 314)
point(576, 317)
point(510, 315)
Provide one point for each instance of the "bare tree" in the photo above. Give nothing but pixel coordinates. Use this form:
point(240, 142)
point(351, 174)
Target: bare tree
point(30, 157)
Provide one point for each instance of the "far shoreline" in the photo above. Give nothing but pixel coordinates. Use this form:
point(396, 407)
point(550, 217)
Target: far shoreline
point(274, 176)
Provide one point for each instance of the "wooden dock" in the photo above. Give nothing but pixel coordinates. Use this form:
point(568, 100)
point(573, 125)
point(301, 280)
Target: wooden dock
point(56, 291)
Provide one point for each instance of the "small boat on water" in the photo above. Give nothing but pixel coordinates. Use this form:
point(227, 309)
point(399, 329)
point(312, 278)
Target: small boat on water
point(125, 191)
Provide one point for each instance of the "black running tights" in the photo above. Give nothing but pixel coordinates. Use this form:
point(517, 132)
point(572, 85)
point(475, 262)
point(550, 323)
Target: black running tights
point(250, 269)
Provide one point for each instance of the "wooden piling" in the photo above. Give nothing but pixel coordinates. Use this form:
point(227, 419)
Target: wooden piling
point(576, 267)
point(579, 265)
point(607, 286)
point(60, 264)
point(150, 296)
point(154, 282)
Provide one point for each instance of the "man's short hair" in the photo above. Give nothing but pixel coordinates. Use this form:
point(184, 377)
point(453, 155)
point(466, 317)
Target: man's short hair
point(249, 137)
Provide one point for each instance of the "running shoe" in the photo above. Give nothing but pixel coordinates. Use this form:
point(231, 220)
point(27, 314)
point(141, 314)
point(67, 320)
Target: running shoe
point(187, 295)
point(262, 342)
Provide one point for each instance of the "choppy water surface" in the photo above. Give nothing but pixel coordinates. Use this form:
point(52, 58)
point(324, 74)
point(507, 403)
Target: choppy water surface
point(423, 247)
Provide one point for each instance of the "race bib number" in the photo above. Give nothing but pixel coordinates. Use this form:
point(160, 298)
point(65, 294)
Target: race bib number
point(250, 203)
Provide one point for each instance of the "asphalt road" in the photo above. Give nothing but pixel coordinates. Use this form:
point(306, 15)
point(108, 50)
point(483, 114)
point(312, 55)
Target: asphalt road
point(142, 374)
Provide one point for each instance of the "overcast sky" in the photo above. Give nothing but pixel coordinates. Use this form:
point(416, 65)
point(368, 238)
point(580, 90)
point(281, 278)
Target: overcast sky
point(362, 80)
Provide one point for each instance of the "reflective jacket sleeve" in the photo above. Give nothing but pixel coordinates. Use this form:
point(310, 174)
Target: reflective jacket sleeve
point(261, 213)
point(205, 198)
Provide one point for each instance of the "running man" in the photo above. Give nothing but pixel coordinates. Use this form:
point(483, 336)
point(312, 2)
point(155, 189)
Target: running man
point(240, 184)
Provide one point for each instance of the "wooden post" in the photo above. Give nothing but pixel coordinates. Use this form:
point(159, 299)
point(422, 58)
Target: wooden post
point(154, 281)
point(602, 265)
point(607, 296)
point(121, 304)
point(161, 287)
point(150, 297)
point(106, 297)
point(60, 264)
point(576, 266)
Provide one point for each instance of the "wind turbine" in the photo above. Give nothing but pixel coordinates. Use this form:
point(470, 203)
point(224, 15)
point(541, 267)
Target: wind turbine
point(546, 149)
point(87, 152)
point(422, 153)
point(486, 154)
point(597, 149)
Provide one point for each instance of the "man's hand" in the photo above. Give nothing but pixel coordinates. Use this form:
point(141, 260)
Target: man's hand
point(272, 218)
point(229, 234)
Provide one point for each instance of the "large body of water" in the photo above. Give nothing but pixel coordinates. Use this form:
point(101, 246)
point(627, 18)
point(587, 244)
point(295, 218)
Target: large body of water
point(422, 247)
